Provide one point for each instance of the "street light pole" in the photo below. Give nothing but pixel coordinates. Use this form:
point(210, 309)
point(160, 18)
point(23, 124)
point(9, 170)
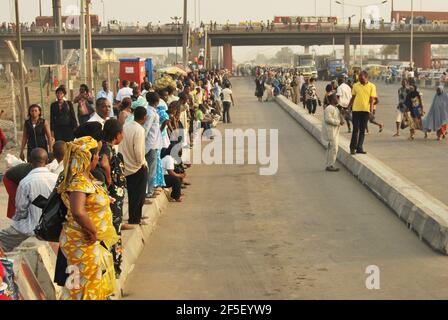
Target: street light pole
point(82, 51)
point(104, 13)
point(412, 34)
point(185, 36)
point(360, 36)
point(19, 53)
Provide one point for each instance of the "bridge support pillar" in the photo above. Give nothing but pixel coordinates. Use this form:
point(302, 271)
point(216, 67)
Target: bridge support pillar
point(422, 54)
point(347, 50)
point(228, 56)
point(46, 55)
point(404, 51)
point(307, 49)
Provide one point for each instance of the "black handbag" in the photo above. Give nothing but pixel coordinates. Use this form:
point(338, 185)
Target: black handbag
point(53, 216)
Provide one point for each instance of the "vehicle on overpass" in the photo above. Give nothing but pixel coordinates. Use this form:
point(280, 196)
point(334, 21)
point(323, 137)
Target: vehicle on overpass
point(329, 68)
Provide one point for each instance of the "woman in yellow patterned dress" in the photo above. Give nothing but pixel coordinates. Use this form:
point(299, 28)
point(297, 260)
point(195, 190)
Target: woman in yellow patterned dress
point(88, 233)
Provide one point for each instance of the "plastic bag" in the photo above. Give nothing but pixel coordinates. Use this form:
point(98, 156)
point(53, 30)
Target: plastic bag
point(12, 161)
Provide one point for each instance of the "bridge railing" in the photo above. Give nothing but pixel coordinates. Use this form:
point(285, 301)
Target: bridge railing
point(256, 28)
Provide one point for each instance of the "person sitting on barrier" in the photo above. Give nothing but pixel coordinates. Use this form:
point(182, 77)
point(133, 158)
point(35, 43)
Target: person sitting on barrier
point(173, 180)
point(39, 182)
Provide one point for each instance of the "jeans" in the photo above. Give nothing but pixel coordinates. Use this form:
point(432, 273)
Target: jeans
point(226, 113)
point(311, 105)
point(151, 159)
point(360, 120)
point(136, 193)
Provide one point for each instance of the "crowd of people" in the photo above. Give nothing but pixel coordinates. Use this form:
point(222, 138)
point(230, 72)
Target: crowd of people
point(353, 102)
point(93, 151)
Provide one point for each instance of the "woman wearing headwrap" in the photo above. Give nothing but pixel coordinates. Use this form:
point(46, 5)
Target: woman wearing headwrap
point(88, 233)
point(437, 118)
point(415, 113)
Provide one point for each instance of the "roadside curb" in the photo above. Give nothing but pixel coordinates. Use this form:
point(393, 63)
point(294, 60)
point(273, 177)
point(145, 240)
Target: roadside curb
point(35, 261)
point(424, 214)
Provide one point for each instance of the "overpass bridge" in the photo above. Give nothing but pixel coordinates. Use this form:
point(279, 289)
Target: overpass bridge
point(38, 44)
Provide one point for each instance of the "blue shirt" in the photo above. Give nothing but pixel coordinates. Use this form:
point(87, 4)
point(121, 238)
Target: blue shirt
point(109, 96)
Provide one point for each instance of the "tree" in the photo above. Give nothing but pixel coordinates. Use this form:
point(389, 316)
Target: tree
point(389, 50)
point(285, 55)
point(171, 58)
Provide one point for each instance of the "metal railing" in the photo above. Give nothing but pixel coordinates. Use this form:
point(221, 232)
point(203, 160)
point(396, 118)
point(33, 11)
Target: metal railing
point(234, 28)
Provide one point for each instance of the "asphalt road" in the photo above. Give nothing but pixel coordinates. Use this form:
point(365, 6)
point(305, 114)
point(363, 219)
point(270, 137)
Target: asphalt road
point(300, 234)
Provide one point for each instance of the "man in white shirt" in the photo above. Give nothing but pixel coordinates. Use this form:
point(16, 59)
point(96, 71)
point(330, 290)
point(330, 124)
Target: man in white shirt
point(57, 165)
point(38, 182)
point(135, 167)
point(153, 139)
point(344, 94)
point(227, 102)
point(109, 95)
point(124, 92)
point(102, 111)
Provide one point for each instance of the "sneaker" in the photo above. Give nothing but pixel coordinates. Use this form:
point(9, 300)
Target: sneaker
point(353, 152)
point(332, 169)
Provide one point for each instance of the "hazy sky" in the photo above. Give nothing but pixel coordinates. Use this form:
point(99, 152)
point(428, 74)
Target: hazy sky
point(234, 10)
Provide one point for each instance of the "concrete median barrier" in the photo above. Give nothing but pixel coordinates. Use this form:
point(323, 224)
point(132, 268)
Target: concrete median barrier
point(424, 214)
point(35, 261)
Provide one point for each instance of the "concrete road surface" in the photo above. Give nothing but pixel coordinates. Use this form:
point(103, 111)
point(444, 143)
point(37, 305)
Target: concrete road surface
point(301, 234)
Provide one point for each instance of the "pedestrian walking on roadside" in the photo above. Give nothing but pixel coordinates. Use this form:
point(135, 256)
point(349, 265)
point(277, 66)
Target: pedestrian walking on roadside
point(303, 90)
point(36, 132)
point(332, 123)
point(372, 118)
point(312, 100)
point(361, 104)
point(259, 88)
point(401, 108)
point(415, 110)
point(344, 94)
point(436, 119)
point(62, 117)
point(227, 101)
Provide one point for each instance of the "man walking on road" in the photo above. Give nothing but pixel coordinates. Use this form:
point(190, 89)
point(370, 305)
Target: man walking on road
point(344, 94)
point(361, 104)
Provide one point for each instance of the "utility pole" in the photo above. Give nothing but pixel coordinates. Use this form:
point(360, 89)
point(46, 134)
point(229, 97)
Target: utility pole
point(412, 34)
point(40, 8)
point(185, 36)
point(19, 53)
point(360, 35)
point(89, 46)
point(57, 21)
point(82, 32)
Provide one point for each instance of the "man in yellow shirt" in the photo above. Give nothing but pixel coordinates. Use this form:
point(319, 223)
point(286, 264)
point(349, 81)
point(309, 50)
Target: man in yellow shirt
point(361, 104)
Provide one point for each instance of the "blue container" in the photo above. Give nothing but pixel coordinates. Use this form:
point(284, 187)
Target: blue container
point(148, 67)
